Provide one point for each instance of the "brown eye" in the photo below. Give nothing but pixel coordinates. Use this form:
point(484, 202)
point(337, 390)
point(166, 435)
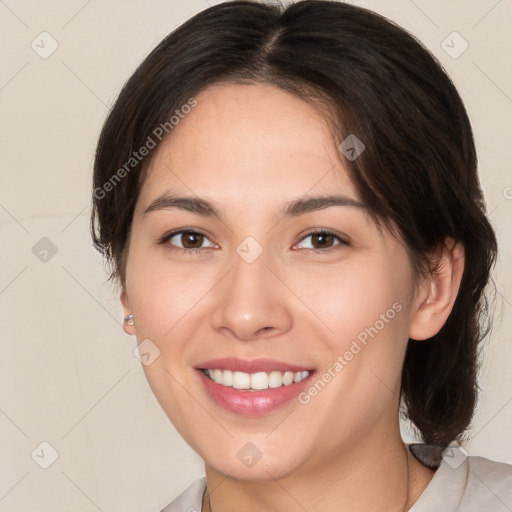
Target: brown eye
point(191, 239)
point(186, 240)
point(323, 241)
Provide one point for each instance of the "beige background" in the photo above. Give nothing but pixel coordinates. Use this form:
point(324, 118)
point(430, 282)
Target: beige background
point(67, 373)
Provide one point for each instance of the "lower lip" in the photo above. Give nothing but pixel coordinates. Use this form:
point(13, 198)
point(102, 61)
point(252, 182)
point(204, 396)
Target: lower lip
point(252, 403)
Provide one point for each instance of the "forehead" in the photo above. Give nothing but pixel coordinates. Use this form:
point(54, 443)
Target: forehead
point(251, 141)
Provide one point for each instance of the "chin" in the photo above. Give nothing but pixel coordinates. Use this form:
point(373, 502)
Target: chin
point(253, 460)
point(262, 470)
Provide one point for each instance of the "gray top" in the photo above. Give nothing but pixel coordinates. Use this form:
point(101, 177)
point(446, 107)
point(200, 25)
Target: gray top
point(461, 483)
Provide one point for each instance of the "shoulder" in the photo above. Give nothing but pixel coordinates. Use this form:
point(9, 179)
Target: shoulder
point(489, 486)
point(466, 483)
point(190, 500)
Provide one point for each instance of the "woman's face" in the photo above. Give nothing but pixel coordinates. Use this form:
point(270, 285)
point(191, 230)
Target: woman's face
point(257, 281)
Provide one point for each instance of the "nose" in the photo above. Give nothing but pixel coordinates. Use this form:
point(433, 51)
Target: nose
point(251, 302)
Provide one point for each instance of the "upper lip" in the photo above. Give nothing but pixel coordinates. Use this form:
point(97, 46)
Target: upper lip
point(250, 366)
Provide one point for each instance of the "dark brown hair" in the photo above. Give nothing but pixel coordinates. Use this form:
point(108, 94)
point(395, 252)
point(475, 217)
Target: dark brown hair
point(417, 172)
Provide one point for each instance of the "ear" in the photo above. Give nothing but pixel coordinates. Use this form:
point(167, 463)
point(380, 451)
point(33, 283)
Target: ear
point(437, 294)
point(128, 329)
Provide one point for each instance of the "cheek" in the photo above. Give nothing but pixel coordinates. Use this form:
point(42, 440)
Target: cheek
point(356, 298)
point(360, 325)
point(164, 294)
point(166, 300)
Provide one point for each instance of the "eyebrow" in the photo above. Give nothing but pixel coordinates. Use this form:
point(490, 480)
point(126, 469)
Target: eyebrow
point(293, 208)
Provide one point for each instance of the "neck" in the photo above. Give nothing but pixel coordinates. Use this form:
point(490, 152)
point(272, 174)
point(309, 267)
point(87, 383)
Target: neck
point(369, 477)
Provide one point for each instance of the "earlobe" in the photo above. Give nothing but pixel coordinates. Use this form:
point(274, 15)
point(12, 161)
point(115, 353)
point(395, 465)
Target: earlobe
point(128, 316)
point(437, 295)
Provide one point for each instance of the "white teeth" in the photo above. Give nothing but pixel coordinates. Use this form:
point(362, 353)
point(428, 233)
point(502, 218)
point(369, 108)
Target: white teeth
point(227, 378)
point(259, 380)
point(217, 376)
point(275, 379)
point(241, 380)
point(255, 381)
point(287, 378)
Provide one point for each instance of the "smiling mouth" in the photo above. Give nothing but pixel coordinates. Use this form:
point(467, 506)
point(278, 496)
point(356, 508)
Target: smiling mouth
point(258, 381)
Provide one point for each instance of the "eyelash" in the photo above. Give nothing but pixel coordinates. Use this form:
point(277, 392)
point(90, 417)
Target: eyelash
point(163, 240)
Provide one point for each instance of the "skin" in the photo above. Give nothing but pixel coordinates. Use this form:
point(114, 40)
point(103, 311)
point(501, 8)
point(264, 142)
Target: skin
point(248, 149)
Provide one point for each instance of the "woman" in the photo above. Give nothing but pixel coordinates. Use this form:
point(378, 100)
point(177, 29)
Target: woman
point(289, 201)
